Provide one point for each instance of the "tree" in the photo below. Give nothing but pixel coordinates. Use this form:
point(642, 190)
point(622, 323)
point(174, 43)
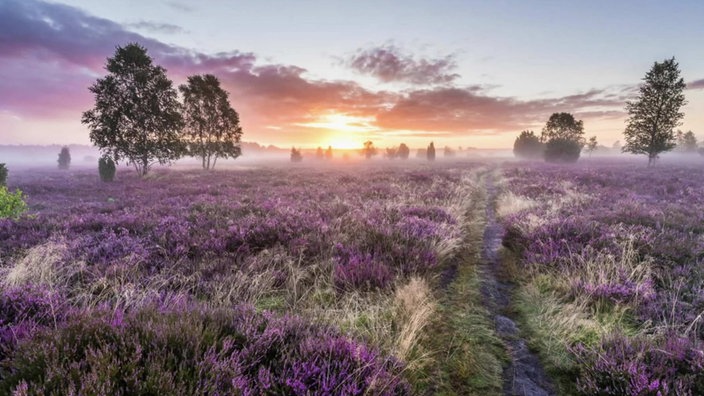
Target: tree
point(563, 136)
point(391, 153)
point(686, 142)
point(328, 153)
point(654, 114)
point(592, 145)
point(212, 127)
point(64, 158)
point(528, 145)
point(448, 152)
point(369, 150)
point(403, 151)
point(430, 152)
point(319, 154)
point(106, 168)
point(617, 145)
point(296, 155)
point(137, 115)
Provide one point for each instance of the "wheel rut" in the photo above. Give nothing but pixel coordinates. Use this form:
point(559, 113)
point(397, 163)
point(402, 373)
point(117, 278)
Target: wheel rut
point(524, 375)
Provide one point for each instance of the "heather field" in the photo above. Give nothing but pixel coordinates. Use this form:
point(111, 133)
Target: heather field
point(453, 277)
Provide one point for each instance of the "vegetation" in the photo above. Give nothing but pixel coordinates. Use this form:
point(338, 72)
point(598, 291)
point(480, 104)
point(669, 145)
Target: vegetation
point(369, 150)
point(296, 155)
point(564, 138)
point(430, 152)
point(64, 158)
point(592, 145)
point(403, 151)
point(137, 116)
point(106, 168)
point(686, 142)
point(528, 146)
point(328, 153)
point(3, 175)
point(12, 205)
point(212, 127)
point(654, 114)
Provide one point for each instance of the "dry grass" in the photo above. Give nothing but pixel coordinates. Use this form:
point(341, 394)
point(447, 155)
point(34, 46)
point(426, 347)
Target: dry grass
point(43, 265)
point(415, 307)
point(509, 203)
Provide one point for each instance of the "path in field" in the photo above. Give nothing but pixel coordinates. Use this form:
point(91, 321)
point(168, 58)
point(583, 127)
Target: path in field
point(524, 375)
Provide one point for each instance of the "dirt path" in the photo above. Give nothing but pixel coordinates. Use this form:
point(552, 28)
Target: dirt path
point(524, 375)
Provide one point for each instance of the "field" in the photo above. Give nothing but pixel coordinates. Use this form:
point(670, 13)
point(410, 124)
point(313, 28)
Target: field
point(456, 277)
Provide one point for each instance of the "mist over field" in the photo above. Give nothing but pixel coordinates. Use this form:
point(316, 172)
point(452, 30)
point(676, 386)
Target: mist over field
point(351, 198)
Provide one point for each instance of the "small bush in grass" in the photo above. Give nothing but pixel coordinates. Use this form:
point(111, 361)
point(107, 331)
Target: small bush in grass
point(3, 175)
point(64, 158)
point(12, 205)
point(106, 168)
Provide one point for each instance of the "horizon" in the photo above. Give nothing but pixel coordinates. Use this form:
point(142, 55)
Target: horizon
point(335, 74)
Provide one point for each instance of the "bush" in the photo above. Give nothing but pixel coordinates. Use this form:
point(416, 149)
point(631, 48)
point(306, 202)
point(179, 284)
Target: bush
point(12, 205)
point(195, 350)
point(64, 158)
point(528, 145)
point(106, 168)
point(3, 175)
point(562, 150)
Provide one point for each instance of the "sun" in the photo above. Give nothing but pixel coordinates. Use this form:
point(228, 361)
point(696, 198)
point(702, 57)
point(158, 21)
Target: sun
point(342, 131)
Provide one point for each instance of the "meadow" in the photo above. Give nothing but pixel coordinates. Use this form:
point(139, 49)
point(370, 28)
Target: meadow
point(358, 278)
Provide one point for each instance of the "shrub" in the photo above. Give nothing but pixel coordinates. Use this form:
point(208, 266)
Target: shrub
point(641, 366)
point(3, 175)
point(528, 145)
point(12, 205)
point(194, 350)
point(106, 168)
point(64, 158)
point(562, 150)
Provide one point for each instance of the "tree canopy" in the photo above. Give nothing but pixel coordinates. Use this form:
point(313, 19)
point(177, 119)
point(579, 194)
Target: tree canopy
point(654, 114)
point(563, 136)
point(686, 142)
point(528, 145)
point(64, 158)
point(403, 151)
point(212, 127)
point(369, 150)
point(430, 152)
point(137, 115)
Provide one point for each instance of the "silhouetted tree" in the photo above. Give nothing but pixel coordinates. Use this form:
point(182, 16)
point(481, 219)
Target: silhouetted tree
point(403, 151)
point(430, 152)
point(369, 150)
point(528, 145)
point(296, 155)
point(106, 168)
point(448, 152)
point(64, 158)
point(391, 153)
point(137, 115)
point(592, 145)
point(319, 154)
point(686, 142)
point(564, 138)
point(328, 153)
point(212, 127)
point(655, 113)
point(616, 145)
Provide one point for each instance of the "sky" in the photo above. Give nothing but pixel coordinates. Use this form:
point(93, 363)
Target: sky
point(317, 73)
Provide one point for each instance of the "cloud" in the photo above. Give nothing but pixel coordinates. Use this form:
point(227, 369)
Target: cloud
point(697, 84)
point(52, 53)
point(468, 110)
point(157, 27)
point(388, 63)
point(179, 6)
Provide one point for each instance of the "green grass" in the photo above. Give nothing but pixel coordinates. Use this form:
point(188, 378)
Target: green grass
point(469, 357)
